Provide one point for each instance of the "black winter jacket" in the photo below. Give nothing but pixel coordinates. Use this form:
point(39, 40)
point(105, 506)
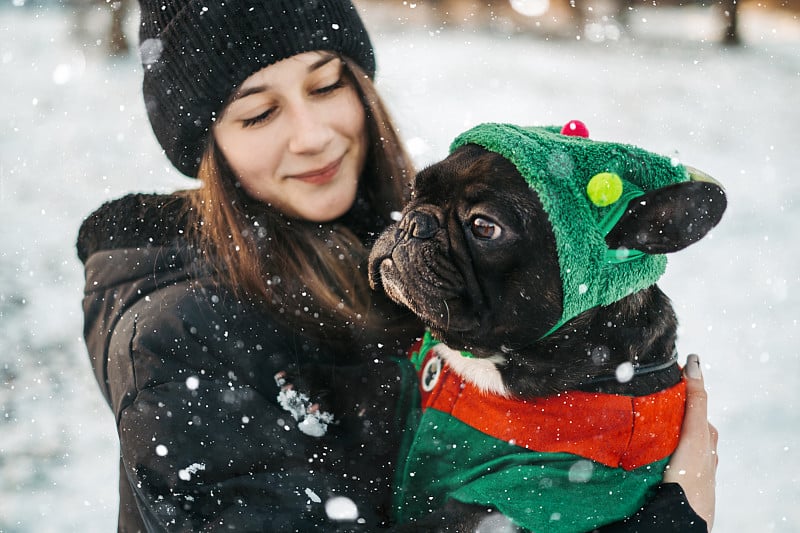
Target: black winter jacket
point(188, 371)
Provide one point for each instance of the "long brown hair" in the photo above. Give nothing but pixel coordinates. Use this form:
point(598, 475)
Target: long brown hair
point(309, 275)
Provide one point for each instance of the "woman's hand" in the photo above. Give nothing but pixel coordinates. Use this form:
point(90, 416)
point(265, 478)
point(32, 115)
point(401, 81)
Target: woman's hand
point(694, 464)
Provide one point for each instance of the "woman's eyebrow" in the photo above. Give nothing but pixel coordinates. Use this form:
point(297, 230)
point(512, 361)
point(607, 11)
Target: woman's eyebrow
point(324, 60)
point(245, 92)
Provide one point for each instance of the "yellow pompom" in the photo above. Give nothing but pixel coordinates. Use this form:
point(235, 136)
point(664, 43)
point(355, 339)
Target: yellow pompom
point(604, 189)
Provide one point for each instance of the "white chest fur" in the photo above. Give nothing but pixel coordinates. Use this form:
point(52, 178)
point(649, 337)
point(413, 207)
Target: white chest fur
point(481, 372)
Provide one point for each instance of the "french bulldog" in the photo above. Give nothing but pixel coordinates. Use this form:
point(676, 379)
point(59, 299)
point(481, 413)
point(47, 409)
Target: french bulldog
point(527, 258)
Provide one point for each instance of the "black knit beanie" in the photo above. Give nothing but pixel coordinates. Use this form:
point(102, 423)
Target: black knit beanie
point(196, 52)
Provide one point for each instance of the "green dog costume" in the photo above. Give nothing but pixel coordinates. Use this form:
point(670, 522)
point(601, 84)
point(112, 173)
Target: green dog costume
point(565, 463)
point(575, 461)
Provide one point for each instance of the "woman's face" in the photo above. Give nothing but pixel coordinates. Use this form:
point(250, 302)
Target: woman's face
point(294, 134)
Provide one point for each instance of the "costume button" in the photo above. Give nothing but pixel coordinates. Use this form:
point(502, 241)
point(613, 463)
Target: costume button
point(430, 374)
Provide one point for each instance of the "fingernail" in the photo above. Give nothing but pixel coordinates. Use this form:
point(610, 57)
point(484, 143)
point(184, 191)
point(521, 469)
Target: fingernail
point(693, 367)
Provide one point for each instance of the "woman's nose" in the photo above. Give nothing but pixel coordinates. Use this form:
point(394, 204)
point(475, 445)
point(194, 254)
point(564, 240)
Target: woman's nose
point(310, 132)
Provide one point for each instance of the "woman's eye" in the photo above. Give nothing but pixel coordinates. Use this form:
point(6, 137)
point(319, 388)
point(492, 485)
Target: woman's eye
point(258, 119)
point(329, 88)
point(485, 229)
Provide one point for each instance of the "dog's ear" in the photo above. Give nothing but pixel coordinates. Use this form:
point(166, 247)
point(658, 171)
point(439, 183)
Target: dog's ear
point(671, 218)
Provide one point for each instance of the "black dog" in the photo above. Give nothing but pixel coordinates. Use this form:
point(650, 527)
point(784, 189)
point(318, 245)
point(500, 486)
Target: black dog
point(480, 293)
point(475, 257)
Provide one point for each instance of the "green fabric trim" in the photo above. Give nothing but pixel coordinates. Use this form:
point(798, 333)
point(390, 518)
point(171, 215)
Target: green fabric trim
point(552, 492)
point(428, 342)
point(612, 256)
point(558, 167)
point(407, 416)
point(615, 212)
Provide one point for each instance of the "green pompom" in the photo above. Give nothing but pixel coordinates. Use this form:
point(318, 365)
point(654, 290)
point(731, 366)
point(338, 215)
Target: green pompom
point(604, 189)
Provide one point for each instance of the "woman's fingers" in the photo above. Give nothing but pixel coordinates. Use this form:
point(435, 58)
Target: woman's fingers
point(695, 421)
point(694, 463)
point(714, 440)
point(696, 396)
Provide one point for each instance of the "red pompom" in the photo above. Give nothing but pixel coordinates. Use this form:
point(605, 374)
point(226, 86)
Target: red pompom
point(575, 128)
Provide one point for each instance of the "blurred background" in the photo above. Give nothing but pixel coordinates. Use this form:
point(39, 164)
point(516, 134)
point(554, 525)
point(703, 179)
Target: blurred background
point(714, 84)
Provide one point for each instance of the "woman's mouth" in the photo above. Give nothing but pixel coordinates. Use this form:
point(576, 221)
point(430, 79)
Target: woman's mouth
point(321, 175)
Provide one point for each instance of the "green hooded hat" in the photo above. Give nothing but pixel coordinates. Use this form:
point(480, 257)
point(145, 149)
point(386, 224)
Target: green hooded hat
point(585, 187)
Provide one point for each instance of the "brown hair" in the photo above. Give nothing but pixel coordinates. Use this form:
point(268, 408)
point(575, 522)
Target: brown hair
point(310, 275)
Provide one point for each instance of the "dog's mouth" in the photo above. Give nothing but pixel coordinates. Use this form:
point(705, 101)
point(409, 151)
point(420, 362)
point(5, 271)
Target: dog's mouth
point(384, 275)
point(442, 310)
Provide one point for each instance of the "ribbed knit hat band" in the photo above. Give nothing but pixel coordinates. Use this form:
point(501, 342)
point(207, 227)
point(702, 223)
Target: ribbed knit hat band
point(195, 53)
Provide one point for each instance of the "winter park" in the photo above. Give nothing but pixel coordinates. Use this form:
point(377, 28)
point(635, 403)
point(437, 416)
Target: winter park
point(75, 134)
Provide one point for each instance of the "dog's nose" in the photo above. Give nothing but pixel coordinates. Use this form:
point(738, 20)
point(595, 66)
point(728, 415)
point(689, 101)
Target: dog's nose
point(421, 225)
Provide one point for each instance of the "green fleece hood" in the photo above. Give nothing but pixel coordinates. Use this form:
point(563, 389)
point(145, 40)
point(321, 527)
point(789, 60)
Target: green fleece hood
point(585, 186)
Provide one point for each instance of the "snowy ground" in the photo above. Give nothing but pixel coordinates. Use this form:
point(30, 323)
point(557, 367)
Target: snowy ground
point(73, 134)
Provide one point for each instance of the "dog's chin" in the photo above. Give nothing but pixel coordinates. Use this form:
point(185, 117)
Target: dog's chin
point(439, 318)
point(468, 339)
point(435, 312)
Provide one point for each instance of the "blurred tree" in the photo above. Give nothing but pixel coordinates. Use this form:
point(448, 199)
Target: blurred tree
point(103, 22)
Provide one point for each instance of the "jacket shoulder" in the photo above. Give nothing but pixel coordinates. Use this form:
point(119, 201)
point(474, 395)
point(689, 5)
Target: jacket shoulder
point(190, 328)
point(135, 220)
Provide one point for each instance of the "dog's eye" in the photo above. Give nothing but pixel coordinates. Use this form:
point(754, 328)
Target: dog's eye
point(485, 229)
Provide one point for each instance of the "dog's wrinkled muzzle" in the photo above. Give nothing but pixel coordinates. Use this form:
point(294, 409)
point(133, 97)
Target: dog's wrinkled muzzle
point(420, 224)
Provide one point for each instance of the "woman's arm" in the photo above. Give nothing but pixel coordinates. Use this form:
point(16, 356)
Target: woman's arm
point(205, 444)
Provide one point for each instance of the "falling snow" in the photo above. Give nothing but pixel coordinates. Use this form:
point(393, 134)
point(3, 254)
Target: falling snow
point(313, 496)
point(186, 473)
point(624, 372)
point(581, 471)
point(150, 51)
point(74, 134)
point(341, 509)
point(192, 382)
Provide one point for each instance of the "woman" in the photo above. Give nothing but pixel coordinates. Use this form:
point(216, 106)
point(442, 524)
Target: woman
point(196, 300)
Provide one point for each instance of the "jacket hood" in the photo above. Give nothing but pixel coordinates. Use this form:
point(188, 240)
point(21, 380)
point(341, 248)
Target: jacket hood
point(130, 247)
point(133, 221)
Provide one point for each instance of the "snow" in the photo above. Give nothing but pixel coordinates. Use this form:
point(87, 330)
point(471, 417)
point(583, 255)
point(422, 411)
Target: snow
point(186, 473)
point(312, 421)
point(625, 372)
point(74, 134)
point(581, 471)
point(341, 508)
point(313, 496)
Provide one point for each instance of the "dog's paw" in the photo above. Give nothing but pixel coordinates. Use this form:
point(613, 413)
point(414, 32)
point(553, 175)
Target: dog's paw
point(310, 416)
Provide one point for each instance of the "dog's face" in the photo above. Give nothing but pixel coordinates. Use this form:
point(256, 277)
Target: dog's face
point(474, 255)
